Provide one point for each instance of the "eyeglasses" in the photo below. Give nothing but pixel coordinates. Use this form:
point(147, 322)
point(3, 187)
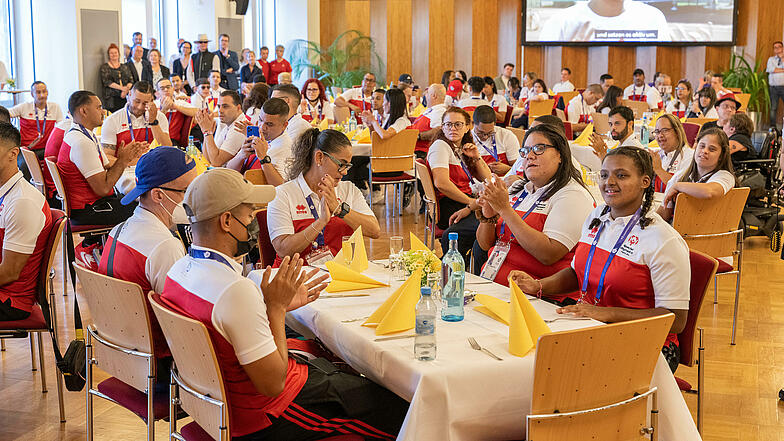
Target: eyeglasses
point(538, 149)
point(680, 88)
point(204, 86)
point(176, 190)
point(312, 90)
point(483, 135)
point(343, 166)
point(662, 131)
point(454, 125)
point(369, 80)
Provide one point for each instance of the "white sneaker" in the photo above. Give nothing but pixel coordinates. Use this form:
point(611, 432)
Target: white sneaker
point(378, 197)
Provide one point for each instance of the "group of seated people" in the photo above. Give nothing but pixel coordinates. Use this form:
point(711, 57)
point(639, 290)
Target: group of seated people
point(523, 211)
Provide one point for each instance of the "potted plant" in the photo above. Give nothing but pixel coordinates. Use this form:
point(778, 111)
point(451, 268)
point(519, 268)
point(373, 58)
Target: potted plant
point(753, 81)
point(342, 64)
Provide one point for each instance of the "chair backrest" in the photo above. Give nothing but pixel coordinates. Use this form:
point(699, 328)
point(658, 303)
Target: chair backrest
point(119, 314)
point(743, 99)
point(601, 122)
point(395, 154)
point(703, 268)
point(539, 108)
point(638, 107)
point(341, 114)
point(266, 250)
point(256, 176)
point(197, 365)
point(692, 130)
point(568, 130)
point(424, 176)
point(592, 367)
point(708, 225)
point(35, 168)
point(51, 164)
point(699, 121)
point(47, 262)
point(567, 96)
point(519, 133)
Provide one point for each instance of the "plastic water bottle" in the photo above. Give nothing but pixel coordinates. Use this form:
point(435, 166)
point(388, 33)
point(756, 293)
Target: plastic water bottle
point(452, 282)
point(352, 123)
point(191, 150)
point(425, 340)
point(645, 136)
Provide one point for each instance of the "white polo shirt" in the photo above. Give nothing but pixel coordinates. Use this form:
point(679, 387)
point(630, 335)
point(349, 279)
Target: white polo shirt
point(472, 102)
point(80, 157)
point(280, 153)
point(30, 127)
point(441, 155)
point(503, 146)
point(499, 103)
point(400, 124)
point(673, 162)
point(228, 139)
point(566, 86)
point(354, 96)
point(290, 206)
point(677, 108)
point(580, 111)
point(721, 177)
point(116, 128)
point(297, 126)
point(201, 102)
point(651, 95)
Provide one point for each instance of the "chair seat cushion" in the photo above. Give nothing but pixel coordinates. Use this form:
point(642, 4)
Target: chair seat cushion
point(400, 177)
point(83, 228)
point(135, 400)
point(35, 321)
point(682, 384)
point(724, 267)
point(193, 432)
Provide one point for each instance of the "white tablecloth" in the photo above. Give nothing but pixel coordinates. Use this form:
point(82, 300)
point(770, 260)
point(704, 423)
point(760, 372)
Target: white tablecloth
point(358, 149)
point(463, 394)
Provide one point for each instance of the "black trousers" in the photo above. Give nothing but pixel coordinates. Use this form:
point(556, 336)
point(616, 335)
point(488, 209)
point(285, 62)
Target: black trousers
point(105, 211)
point(10, 314)
point(466, 236)
point(340, 403)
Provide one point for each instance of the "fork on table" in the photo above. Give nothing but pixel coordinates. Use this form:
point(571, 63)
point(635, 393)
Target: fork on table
point(474, 345)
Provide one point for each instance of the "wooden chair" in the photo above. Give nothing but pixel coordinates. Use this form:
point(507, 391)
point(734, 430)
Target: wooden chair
point(394, 155)
point(119, 341)
point(342, 114)
point(691, 130)
point(743, 99)
point(256, 176)
point(711, 227)
point(699, 121)
point(589, 384)
point(267, 252)
point(638, 107)
point(539, 108)
point(601, 122)
point(431, 203)
point(44, 314)
point(567, 96)
point(518, 132)
point(35, 169)
point(703, 270)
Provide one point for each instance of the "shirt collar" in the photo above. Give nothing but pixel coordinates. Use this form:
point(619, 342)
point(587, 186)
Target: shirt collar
point(303, 185)
point(234, 265)
point(279, 140)
point(9, 183)
point(529, 187)
point(618, 220)
point(146, 216)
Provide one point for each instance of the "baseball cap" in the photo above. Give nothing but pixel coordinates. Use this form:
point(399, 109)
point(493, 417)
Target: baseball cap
point(405, 78)
point(728, 96)
point(454, 89)
point(219, 190)
point(158, 166)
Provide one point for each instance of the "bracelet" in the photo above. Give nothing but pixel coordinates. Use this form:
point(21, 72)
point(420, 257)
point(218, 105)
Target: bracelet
point(539, 293)
point(483, 219)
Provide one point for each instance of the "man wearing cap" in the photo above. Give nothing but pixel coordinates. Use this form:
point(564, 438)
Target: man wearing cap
point(454, 92)
point(203, 60)
point(202, 96)
point(726, 106)
point(358, 99)
point(143, 248)
point(221, 141)
point(271, 394)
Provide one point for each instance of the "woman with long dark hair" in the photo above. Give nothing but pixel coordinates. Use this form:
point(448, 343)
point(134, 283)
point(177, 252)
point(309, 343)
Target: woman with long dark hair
point(395, 116)
point(315, 106)
point(252, 103)
point(704, 106)
point(682, 103)
point(612, 99)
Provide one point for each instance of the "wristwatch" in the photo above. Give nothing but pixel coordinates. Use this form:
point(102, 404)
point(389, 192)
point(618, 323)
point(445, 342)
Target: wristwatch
point(265, 160)
point(344, 210)
point(154, 123)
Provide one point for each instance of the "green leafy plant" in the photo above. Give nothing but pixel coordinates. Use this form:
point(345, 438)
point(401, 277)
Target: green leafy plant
point(341, 64)
point(753, 81)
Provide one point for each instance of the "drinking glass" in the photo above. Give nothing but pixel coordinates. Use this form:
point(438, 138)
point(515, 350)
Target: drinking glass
point(395, 262)
point(434, 282)
point(348, 250)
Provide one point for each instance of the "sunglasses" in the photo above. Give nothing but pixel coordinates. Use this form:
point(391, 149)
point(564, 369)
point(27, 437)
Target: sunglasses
point(538, 149)
point(343, 166)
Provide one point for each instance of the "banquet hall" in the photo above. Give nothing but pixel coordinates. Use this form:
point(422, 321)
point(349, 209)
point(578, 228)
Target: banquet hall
point(354, 220)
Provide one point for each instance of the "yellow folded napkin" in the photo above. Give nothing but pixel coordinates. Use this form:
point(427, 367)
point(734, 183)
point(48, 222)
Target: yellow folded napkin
point(550, 92)
point(585, 137)
point(493, 307)
point(653, 144)
point(363, 137)
point(346, 279)
point(398, 312)
point(359, 260)
point(417, 111)
point(525, 324)
point(350, 134)
point(416, 244)
point(652, 122)
point(324, 124)
point(683, 120)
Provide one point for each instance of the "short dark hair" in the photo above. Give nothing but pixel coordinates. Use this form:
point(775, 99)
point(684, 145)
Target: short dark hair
point(263, 48)
point(605, 77)
point(5, 115)
point(224, 35)
point(476, 84)
point(79, 99)
point(136, 33)
point(172, 75)
point(9, 133)
point(638, 71)
point(625, 112)
point(778, 42)
point(215, 71)
point(234, 96)
point(275, 106)
point(484, 115)
point(289, 89)
point(566, 69)
point(509, 65)
point(380, 90)
point(35, 83)
point(143, 87)
point(718, 75)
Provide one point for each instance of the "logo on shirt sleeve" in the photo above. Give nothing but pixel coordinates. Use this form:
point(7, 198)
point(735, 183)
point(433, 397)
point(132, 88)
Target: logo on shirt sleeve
point(301, 209)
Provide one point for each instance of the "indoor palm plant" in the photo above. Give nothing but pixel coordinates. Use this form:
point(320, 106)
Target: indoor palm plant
point(342, 64)
point(753, 81)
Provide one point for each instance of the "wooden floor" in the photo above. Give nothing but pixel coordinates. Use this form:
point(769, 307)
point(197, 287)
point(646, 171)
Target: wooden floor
point(742, 381)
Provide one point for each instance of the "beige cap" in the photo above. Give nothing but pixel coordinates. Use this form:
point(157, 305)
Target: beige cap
point(202, 37)
point(219, 190)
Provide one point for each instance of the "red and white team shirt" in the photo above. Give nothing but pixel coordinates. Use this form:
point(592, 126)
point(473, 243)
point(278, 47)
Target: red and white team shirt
point(297, 126)
point(289, 212)
point(499, 103)
point(677, 108)
point(232, 308)
point(644, 93)
point(471, 103)
point(228, 139)
point(144, 253)
point(578, 111)
point(356, 97)
point(440, 155)
point(502, 147)
point(399, 125)
point(721, 177)
point(34, 122)
point(52, 149)
point(25, 221)
point(672, 163)
point(201, 102)
point(81, 156)
point(116, 129)
point(560, 218)
point(650, 270)
point(280, 154)
point(176, 120)
point(323, 110)
point(429, 119)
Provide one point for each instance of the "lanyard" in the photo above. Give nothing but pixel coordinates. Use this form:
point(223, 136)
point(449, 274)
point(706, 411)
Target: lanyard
point(2, 198)
point(624, 234)
point(209, 255)
point(37, 125)
point(130, 126)
point(517, 203)
point(634, 91)
point(465, 170)
point(319, 106)
point(75, 125)
point(314, 212)
point(494, 152)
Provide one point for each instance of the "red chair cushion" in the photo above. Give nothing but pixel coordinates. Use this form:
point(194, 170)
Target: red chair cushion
point(135, 400)
point(194, 432)
point(400, 177)
point(81, 228)
point(266, 250)
point(724, 267)
point(35, 321)
point(682, 384)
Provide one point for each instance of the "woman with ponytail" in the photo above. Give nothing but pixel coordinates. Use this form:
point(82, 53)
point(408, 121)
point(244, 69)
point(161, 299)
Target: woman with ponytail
point(314, 210)
point(629, 263)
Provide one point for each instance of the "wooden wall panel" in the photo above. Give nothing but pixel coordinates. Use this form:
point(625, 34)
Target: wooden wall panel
point(509, 24)
point(670, 61)
point(717, 58)
point(463, 35)
point(441, 56)
point(484, 26)
point(770, 26)
point(378, 32)
point(622, 61)
point(420, 36)
point(533, 60)
point(576, 59)
point(398, 38)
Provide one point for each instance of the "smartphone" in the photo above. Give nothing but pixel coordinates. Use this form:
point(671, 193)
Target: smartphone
point(252, 131)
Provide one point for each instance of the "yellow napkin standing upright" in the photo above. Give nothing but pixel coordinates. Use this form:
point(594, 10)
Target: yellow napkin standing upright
point(359, 260)
point(324, 125)
point(346, 279)
point(398, 312)
point(525, 324)
point(363, 137)
point(585, 137)
point(417, 112)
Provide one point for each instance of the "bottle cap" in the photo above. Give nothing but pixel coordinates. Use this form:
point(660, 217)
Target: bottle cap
point(425, 290)
point(452, 236)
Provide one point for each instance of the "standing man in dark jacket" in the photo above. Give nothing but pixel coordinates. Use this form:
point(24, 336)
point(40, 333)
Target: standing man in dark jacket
point(229, 64)
point(204, 61)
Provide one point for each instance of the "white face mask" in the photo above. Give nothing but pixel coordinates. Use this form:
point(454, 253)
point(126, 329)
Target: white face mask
point(177, 215)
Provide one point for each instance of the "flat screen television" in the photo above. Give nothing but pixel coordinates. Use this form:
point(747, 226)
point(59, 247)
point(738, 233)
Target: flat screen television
point(633, 22)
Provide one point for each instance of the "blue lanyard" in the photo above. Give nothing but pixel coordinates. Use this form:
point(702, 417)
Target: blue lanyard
point(2, 198)
point(209, 255)
point(130, 126)
point(75, 125)
point(624, 234)
point(314, 212)
point(319, 106)
point(37, 125)
point(517, 203)
point(494, 152)
point(634, 90)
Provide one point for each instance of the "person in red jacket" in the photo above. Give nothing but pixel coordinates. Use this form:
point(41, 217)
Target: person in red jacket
point(278, 65)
